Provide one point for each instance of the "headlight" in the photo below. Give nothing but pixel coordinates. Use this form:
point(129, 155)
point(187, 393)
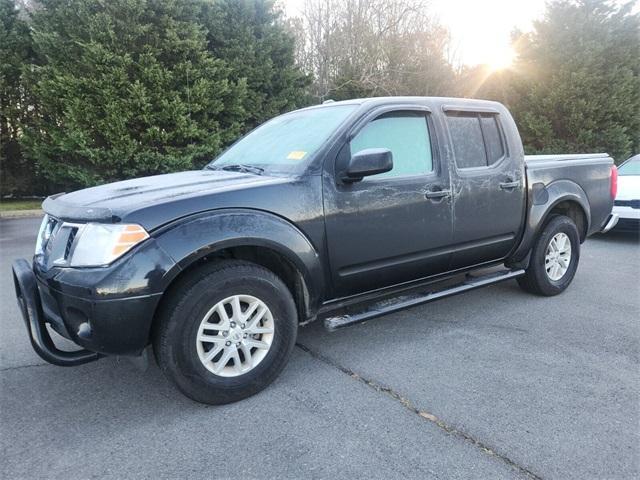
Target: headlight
point(99, 244)
point(43, 234)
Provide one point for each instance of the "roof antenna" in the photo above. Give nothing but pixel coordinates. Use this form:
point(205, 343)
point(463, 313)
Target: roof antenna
point(328, 101)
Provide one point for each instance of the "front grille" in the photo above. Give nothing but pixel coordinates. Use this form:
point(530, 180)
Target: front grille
point(627, 203)
point(56, 242)
point(70, 239)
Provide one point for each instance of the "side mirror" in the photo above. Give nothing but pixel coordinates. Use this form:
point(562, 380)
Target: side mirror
point(370, 161)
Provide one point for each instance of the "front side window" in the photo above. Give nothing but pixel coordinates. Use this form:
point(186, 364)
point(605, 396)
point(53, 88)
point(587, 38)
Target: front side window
point(407, 136)
point(477, 140)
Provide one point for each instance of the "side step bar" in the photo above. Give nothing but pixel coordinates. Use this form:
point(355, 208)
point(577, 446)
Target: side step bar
point(383, 307)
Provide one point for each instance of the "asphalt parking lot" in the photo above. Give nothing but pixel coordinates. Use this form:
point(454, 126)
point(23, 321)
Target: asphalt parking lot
point(492, 384)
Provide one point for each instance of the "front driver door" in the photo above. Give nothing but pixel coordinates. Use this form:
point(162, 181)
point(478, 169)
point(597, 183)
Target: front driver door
point(395, 226)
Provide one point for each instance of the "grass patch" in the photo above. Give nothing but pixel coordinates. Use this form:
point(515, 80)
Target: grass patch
point(9, 205)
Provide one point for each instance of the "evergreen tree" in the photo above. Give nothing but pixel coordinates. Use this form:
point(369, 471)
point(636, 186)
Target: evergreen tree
point(16, 173)
point(125, 88)
point(252, 38)
point(577, 81)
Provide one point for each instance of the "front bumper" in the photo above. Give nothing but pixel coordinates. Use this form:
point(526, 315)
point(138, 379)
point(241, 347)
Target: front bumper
point(33, 316)
point(106, 310)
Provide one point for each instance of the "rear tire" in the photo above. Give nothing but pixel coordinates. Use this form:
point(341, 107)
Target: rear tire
point(554, 258)
point(221, 303)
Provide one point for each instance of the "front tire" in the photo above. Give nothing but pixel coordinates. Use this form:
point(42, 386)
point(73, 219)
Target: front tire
point(554, 258)
point(226, 331)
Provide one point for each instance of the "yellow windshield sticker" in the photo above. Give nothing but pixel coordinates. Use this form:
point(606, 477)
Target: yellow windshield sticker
point(296, 155)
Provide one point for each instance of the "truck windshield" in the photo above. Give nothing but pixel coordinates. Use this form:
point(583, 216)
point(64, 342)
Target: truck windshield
point(284, 144)
point(630, 167)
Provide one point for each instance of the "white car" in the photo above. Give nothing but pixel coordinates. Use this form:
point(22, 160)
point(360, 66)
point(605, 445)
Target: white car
point(627, 202)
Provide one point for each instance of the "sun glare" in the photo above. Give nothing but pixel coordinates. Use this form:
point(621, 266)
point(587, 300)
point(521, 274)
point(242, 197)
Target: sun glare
point(500, 59)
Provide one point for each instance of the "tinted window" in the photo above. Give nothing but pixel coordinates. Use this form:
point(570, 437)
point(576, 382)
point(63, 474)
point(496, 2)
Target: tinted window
point(492, 138)
point(468, 145)
point(406, 135)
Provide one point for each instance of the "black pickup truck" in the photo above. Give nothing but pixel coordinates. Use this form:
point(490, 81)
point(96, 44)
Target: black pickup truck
point(341, 212)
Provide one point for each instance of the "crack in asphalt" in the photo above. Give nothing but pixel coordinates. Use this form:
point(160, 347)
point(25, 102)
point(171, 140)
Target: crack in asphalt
point(406, 403)
point(18, 367)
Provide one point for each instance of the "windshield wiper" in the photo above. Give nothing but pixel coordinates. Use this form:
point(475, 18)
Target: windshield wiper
point(238, 167)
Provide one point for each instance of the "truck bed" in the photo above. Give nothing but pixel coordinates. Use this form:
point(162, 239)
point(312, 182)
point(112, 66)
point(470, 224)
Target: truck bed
point(587, 175)
point(579, 158)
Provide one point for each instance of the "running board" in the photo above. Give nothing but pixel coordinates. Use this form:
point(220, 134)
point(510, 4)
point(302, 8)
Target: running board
point(383, 307)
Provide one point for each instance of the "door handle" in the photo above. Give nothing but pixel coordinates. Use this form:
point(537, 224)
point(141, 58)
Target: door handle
point(509, 185)
point(435, 194)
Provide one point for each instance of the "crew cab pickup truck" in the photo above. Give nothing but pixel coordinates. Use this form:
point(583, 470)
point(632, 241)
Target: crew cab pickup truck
point(340, 212)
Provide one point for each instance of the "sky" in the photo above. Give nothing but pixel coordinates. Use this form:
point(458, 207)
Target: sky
point(480, 29)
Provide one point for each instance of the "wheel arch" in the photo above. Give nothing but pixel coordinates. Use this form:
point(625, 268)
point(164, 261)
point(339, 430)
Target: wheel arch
point(255, 236)
point(575, 211)
point(559, 197)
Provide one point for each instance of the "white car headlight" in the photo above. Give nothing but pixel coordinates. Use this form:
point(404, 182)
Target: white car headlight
point(100, 244)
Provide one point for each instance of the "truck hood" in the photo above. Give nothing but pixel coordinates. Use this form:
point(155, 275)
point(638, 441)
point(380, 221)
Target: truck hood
point(114, 202)
point(628, 187)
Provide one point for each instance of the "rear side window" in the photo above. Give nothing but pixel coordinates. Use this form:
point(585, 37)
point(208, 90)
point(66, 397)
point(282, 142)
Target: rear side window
point(492, 138)
point(407, 136)
point(468, 145)
point(477, 139)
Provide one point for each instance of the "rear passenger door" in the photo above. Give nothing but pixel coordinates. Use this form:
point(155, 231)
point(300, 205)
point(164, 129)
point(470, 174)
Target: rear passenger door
point(488, 188)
